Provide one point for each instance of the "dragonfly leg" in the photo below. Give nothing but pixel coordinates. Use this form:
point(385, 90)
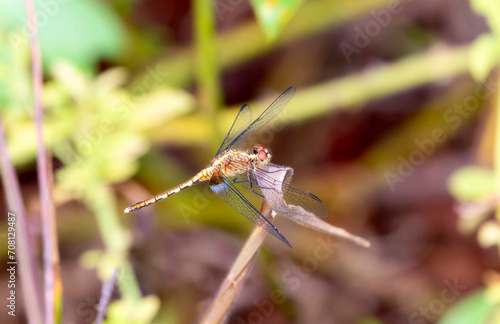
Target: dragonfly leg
point(238, 180)
point(270, 171)
point(251, 186)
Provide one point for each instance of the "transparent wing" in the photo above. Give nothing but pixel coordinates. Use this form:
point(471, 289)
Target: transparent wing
point(242, 121)
point(226, 191)
point(247, 180)
point(290, 195)
point(270, 113)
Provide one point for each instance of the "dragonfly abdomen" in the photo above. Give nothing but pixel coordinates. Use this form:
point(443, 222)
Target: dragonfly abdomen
point(201, 176)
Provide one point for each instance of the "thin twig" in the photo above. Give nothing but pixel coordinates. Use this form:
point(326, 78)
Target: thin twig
point(273, 202)
point(106, 292)
point(52, 280)
point(27, 265)
point(218, 311)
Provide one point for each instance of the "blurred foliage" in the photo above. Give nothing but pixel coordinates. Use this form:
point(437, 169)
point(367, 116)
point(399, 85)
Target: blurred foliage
point(485, 54)
point(99, 126)
point(125, 311)
point(274, 15)
point(477, 188)
point(15, 80)
point(93, 124)
point(80, 31)
point(99, 134)
point(475, 308)
point(486, 49)
point(472, 183)
point(491, 10)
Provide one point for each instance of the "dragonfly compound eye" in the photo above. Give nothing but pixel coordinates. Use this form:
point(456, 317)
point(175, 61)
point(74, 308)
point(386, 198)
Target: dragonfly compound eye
point(262, 155)
point(258, 148)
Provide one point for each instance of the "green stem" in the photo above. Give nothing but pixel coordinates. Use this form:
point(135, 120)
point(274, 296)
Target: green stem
point(207, 66)
point(347, 92)
point(378, 82)
point(116, 238)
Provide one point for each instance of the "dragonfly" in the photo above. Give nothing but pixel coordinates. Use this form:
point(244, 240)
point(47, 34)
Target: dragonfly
point(232, 165)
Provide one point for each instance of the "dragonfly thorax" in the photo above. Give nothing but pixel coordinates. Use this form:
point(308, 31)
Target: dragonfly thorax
point(233, 163)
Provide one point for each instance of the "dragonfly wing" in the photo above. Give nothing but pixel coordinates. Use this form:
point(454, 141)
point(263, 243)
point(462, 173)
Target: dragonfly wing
point(247, 180)
point(242, 121)
point(283, 197)
point(270, 113)
point(223, 188)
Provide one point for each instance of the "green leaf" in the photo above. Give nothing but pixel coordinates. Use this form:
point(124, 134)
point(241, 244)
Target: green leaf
point(485, 55)
point(474, 308)
point(80, 31)
point(471, 183)
point(273, 15)
point(133, 311)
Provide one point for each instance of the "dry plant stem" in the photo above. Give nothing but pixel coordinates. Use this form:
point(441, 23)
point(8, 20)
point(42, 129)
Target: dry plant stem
point(106, 291)
point(218, 311)
point(26, 263)
point(273, 200)
point(52, 280)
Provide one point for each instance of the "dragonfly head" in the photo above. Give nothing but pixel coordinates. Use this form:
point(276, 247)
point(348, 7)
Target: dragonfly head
point(262, 155)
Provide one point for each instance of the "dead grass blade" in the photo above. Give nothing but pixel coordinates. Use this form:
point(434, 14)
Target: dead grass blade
point(51, 264)
point(25, 261)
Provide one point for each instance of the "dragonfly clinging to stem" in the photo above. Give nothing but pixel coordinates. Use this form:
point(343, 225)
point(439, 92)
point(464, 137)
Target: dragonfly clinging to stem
point(248, 170)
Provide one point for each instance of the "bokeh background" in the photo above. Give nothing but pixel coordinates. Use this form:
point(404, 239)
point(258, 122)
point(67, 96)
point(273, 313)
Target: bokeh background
point(393, 126)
